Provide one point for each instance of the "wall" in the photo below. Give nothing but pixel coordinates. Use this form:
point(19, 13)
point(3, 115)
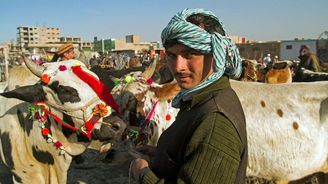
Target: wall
point(259, 50)
point(290, 48)
point(322, 50)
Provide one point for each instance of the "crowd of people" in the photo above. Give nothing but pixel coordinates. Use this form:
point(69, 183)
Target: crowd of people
point(119, 61)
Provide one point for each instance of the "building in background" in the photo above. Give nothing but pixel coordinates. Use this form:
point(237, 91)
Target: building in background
point(37, 41)
point(103, 45)
point(86, 46)
point(70, 39)
point(322, 50)
point(130, 44)
point(29, 37)
point(258, 50)
point(238, 39)
point(289, 49)
point(4, 51)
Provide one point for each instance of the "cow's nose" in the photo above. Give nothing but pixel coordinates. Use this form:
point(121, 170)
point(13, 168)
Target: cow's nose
point(112, 129)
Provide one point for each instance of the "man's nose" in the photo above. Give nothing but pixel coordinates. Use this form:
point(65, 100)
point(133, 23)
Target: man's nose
point(180, 63)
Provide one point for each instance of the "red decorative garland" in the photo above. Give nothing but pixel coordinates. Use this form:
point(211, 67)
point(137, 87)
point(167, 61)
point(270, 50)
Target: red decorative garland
point(99, 87)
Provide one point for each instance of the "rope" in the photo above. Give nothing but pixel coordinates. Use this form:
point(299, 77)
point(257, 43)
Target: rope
point(148, 117)
point(58, 119)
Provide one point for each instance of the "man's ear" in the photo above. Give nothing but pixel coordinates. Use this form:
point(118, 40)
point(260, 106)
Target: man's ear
point(32, 93)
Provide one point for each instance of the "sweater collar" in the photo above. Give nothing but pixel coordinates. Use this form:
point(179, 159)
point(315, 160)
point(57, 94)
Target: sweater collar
point(200, 95)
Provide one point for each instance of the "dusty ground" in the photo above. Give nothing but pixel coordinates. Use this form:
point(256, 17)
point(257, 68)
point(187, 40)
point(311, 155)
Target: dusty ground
point(97, 172)
point(94, 171)
point(117, 173)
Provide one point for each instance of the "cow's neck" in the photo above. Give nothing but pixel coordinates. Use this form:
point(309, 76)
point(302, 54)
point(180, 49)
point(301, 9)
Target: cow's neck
point(73, 143)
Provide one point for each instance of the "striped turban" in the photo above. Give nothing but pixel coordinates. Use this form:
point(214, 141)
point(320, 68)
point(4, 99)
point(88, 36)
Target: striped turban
point(224, 51)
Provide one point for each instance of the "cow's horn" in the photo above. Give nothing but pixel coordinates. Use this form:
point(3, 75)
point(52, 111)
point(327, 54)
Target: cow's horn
point(149, 71)
point(33, 67)
point(112, 78)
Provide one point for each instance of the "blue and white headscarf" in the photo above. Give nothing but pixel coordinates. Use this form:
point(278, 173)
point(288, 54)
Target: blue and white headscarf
point(225, 52)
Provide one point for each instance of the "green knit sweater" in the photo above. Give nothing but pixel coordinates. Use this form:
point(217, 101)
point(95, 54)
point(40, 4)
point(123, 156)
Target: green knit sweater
point(213, 153)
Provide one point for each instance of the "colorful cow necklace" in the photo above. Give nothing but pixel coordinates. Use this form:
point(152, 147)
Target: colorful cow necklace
point(41, 112)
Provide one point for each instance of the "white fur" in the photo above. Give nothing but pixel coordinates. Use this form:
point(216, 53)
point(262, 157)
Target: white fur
point(286, 147)
point(25, 164)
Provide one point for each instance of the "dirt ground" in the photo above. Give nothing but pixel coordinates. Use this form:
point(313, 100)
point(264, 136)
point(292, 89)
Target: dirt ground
point(95, 171)
point(115, 170)
point(92, 170)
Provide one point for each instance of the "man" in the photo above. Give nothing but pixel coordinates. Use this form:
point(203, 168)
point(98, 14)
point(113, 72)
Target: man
point(65, 52)
point(93, 61)
point(308, 60)
point(207, 142)
point(267, 60)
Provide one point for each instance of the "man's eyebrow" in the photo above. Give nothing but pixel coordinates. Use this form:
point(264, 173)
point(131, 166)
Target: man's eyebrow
point(183, 50)
point(191, 50)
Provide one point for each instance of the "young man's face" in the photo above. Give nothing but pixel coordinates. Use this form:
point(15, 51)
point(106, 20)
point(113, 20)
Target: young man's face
point(188, 66)
point(69, 54)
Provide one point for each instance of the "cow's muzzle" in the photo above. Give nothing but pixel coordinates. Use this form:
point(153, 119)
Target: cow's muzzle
point(112, 128)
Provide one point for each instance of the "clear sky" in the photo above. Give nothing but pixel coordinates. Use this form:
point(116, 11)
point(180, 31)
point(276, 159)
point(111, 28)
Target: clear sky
point(261, 20)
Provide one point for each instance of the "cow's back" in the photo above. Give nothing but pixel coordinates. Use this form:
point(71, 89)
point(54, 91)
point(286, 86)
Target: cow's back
point(284, 124)
point(20, 76)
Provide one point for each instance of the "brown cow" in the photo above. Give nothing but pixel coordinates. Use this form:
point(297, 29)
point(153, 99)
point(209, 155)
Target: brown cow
point(279, 73)
point(249, 71)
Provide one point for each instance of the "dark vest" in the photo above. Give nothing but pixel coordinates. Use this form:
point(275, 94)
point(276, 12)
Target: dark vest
point(171, 147)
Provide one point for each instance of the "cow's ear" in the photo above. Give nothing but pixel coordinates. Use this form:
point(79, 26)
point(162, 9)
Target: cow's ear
point(33, 93)
point(167, 91)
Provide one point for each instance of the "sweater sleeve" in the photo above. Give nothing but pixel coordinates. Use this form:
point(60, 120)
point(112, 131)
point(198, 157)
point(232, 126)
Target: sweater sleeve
point(150, 177)
point(212, 155)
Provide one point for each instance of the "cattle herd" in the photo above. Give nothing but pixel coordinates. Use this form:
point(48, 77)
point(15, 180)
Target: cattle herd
point(52, 113)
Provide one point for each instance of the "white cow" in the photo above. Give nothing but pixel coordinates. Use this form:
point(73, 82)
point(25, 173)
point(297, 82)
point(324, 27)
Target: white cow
point(69, 102)
point(139, 97)
point(20, 76)
point(287, 124)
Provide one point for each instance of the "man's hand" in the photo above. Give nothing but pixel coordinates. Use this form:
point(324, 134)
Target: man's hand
point(137, 166)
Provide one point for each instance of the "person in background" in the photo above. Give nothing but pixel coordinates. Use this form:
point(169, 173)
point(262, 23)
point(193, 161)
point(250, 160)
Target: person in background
point(83, 58)
point(276, 59)
point(93, 61)
point(207, 142)
point(267, 60)
point(65, 52)
point(308, 60)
